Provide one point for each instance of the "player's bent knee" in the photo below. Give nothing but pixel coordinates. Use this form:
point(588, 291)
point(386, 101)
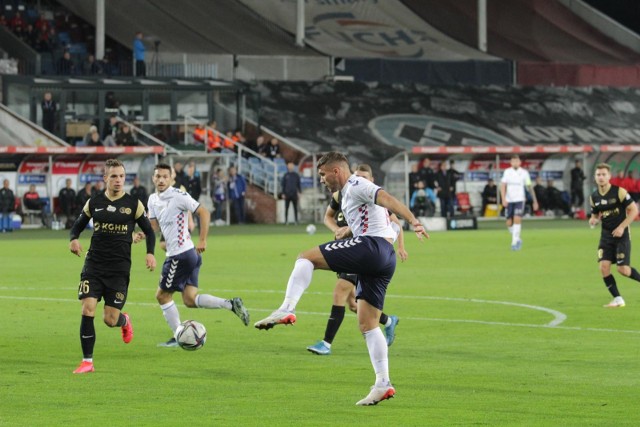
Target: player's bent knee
point(625, 270)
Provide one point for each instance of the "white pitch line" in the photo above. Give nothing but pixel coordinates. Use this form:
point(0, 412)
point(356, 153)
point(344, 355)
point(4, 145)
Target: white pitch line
point(558, 317)
point(550, 325)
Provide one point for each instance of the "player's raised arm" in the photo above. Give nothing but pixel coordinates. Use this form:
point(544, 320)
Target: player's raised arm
point(386, 200)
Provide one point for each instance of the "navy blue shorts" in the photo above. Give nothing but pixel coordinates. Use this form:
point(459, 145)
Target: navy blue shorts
point(180, 270)
point(373, 259)
point(515, 209)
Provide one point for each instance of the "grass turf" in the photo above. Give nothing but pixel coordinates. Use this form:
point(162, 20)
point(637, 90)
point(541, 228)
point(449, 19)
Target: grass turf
point(483, 338)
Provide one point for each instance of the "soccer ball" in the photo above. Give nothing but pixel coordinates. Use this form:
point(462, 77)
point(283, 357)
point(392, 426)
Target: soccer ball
point(191, 335)
point(311, 229)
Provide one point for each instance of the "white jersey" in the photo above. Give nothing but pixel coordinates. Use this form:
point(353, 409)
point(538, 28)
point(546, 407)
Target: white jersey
point(516, 180)
point(170, 208)
point(363, 216)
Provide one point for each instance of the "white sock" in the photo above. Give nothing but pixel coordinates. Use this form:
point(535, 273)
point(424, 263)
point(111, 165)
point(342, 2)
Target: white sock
point(209, 301)
point(378, 353)
point(90, 359)
point(388, 321)
point(171, 315)
point(327, 344)
point(516, 233)
point(510, 229)
point(299, 281)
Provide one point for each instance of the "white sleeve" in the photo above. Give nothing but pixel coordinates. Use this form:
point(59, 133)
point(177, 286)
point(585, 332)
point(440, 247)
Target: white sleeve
point(151, 206)
point(365, 191)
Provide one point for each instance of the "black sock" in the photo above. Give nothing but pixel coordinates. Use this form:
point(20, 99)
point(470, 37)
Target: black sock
point(383, 319)
point(610, 283)
point(121, 320)
point(87, 336)
point(634, 274)
point(334, 322)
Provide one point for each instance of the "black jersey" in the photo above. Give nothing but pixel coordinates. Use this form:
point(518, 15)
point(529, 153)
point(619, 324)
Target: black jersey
point(336, 205)
point(612, 207)
point(113, 225)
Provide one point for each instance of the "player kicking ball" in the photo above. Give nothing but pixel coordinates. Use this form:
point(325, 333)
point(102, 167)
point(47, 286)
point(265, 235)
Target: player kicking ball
point(370, 254)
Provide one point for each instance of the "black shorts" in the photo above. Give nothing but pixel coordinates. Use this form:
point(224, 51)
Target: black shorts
point(353, 278)
point(372, 259)
point(113, 288)
point(615, 249)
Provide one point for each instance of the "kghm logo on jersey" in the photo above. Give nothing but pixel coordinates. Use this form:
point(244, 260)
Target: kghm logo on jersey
point(107, 227)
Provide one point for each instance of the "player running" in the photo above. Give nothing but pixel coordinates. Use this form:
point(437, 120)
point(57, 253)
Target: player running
point(168, 212)
point(107, 267)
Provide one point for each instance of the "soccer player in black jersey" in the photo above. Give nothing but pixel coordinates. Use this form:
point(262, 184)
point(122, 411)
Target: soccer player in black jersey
point(108, 262)
point(344, 291)
point(615, 209)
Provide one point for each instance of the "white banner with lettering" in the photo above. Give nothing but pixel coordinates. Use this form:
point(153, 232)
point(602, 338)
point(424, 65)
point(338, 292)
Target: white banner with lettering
point(366, 29)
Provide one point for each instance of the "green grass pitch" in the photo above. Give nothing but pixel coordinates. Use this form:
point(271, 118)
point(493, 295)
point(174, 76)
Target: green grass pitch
point(487, 337)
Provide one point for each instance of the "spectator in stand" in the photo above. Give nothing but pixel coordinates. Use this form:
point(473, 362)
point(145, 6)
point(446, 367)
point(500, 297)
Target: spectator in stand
point(16, 23)
point(94, 138)
point(490, 195)
point(422, 203)
point(66, 67)
point(237, 189)
point(577, 180)
point(556, 200)
point(541, 194)
point(229, 141)
point(629, 184)
point(193, 185)
point(125, 138)
point(97, 189)
point(446, 190)
point(106, 68)
point(66, 201)
point(51, 43)
point(138, 54)
point(181, 177)
point(91, 67)
point(213, 140)
point(261, 146)
point(218, 194)
point(82, 197)
point(291, 192)
point(617, 180)
point(3, 20)
point(110, 131)
point(30, 36)
point(7, 205)
point(427, 174)
point(49, 110)
point(455, 177)
point(273, 149)
point(31, 200)
point(139, 191)
point(41, 24)
point(414, 178)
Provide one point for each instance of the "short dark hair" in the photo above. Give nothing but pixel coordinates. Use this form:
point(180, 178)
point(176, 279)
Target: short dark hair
point(162, 166)
point(332, 157)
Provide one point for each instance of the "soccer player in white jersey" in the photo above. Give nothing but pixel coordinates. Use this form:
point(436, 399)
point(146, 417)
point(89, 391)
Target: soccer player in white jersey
point(512, 192)
point(168, 212)
point(369, 254)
